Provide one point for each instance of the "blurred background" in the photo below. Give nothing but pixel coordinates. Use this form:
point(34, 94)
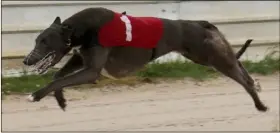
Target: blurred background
point(22, 21)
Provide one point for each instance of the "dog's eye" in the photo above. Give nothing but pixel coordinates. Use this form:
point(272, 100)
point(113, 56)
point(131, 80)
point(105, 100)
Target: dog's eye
point(43, 41)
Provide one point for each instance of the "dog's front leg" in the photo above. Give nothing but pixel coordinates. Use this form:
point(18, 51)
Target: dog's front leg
point(97, 58)
point(81, 77)
point(75, 63)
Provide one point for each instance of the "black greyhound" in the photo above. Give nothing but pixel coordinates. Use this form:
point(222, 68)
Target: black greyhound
point(199, 41)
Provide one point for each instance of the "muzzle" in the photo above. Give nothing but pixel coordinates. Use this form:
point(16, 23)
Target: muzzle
point(39, 63)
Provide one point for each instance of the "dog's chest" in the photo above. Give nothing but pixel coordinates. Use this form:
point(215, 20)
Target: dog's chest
point(103, 71)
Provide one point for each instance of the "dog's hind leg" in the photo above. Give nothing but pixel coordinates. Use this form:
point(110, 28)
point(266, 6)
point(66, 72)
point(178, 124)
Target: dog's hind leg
point(235, 72)
point(227, 63)
point(249, 78)
point(238, 55)
point(192, 58)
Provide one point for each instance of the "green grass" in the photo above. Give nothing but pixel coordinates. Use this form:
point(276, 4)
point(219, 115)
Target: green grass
point(175, 70)
point(25, 83)
point(264, 67)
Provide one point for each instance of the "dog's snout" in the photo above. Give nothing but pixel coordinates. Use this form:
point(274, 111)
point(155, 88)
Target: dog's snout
point(27, 62)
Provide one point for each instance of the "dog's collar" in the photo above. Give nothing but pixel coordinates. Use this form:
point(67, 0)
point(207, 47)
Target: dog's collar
point(68, 43)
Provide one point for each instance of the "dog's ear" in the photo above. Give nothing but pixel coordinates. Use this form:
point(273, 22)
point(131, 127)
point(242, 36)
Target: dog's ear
point(57, 20)
point(124, 13)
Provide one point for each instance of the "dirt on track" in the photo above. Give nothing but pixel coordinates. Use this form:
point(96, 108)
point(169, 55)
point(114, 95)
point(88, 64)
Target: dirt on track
point(184, 105)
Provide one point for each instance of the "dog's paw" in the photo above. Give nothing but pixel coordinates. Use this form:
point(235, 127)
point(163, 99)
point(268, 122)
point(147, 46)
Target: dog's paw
point(60, 99)
point(62, 104)
point(30, 98)
point(262, 108)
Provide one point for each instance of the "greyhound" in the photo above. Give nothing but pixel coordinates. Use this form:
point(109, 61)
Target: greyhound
point(106, 41)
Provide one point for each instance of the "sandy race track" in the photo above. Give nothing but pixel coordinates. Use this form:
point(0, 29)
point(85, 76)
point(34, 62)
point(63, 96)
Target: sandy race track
point(184, 105)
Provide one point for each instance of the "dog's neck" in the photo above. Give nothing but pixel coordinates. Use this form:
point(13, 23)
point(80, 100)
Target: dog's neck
point(87, 21)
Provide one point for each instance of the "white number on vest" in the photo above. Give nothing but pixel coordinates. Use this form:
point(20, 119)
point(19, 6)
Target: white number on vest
point(128, 27)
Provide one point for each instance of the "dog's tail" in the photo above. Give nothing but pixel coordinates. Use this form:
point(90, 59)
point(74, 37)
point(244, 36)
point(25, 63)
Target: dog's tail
point(243, 49)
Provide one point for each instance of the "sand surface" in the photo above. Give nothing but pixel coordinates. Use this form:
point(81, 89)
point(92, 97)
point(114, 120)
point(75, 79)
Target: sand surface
point(183, 105)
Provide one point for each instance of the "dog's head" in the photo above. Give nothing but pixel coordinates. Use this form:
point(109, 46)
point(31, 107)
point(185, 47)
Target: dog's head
point(51, 45)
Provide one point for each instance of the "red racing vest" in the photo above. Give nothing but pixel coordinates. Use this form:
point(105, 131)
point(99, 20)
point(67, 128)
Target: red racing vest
point(125, 30)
